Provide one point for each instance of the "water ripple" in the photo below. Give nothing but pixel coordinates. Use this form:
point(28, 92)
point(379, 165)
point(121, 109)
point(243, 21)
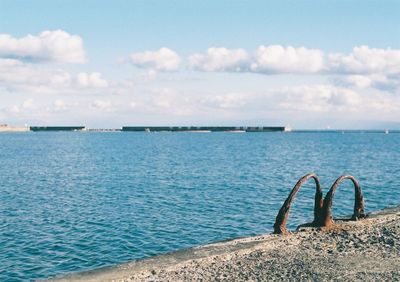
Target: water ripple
point(77, 201)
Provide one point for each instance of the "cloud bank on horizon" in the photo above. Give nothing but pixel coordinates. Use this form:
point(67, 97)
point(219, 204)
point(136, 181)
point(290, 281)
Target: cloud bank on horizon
point(45, 78)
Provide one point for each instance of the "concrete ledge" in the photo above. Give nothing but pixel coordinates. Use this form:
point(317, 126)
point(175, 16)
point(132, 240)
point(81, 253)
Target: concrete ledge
point(366, 249)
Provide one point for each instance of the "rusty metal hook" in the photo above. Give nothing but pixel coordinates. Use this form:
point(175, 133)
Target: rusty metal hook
point(326, 216)
point(283, 214)
point(322, 208)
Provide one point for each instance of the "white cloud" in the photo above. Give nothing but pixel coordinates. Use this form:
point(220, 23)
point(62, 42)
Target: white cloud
point(226, 101)
point(7, 63)
point(318, 98)
point(17, 109)
point(162, 60)
point(27, 104)
point(357, 80)
point(277, 59)
point(365, 60)
point(59, 105)
point(166, 101)
point(342, 97)
point(220, 59)
point(367, 67)
point(266, 59)
point(280, 59)
point(365, 81)
point(164, 98)
point(91, 80)
point(388, 83)
point(364, 67)
point(102, 105)
point(17, 76)
point(49, 46)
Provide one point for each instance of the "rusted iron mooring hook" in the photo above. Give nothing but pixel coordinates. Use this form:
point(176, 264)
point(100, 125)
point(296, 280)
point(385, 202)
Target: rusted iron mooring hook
point(283, 214)
point(326, 216)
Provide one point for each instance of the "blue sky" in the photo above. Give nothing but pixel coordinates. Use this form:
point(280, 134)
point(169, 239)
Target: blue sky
point(240, 80)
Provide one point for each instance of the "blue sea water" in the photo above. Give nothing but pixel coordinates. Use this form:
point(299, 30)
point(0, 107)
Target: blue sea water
point(73, 201)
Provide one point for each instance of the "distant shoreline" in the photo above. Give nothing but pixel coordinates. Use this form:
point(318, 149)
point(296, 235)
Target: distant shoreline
point(200, 129)
point(106, 130)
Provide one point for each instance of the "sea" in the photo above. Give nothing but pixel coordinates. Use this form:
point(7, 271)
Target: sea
point(76, 201)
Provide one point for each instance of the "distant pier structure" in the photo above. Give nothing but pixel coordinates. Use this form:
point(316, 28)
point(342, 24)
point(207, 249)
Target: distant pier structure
point(205, 128)
point(238, 129)
point(57, 128)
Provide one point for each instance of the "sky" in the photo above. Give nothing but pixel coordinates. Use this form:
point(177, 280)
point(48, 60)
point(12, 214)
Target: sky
point(304, 64)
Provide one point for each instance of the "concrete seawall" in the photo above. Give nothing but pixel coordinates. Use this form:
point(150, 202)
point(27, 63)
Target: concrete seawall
point(353, 250)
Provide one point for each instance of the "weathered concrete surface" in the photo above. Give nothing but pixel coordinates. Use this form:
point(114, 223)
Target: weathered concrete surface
point(357, 251)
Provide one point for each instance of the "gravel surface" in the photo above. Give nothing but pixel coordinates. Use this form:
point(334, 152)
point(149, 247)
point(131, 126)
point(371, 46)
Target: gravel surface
point(365, 250)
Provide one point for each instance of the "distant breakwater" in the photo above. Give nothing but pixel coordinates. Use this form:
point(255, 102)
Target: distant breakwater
point(168, 128)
